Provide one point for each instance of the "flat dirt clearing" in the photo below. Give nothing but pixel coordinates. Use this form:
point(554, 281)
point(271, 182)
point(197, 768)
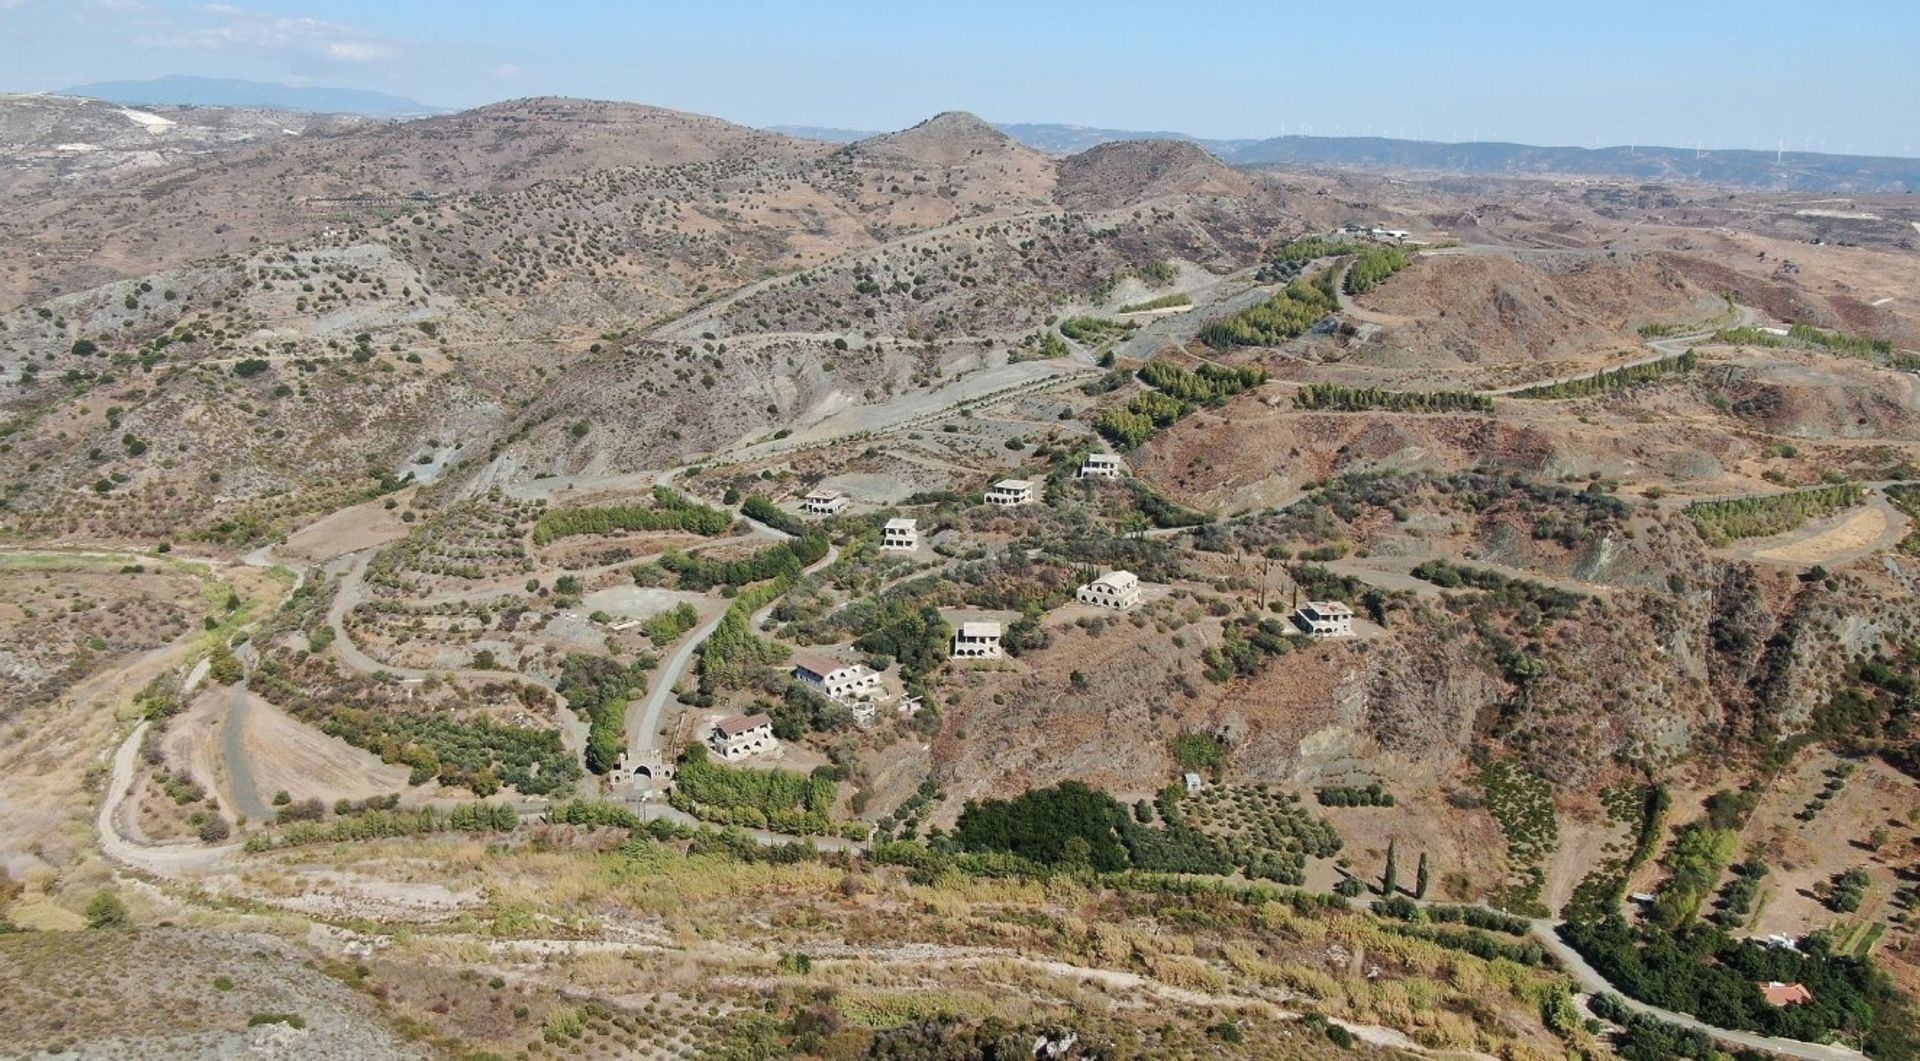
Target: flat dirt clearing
point(348, 531)
point(1805, 853)
point(639, 602)
point(280, 753)
point(1867, 528)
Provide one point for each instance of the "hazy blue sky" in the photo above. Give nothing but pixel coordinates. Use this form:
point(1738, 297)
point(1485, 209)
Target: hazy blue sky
point(1839, 76)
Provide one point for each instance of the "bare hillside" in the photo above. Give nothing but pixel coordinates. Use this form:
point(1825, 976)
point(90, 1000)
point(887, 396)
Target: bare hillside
point(1131, 171)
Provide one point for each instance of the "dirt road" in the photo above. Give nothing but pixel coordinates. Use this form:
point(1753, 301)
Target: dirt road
point(161, 860)
point(1592, 982)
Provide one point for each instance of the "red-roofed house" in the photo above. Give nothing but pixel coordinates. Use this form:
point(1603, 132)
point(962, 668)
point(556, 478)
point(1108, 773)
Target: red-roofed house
point(1779, 994)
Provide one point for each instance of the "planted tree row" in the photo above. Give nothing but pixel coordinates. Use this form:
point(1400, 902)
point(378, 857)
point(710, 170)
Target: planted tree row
point(1207, 384)
point(1373, 266)
point(1613, 378)
point(1338, 398)
point(1721, 522)
point(759, 507)
point(385, 824)
point(1287, 315)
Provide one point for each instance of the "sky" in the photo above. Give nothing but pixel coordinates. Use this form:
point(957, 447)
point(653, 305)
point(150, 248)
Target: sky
point(1839, 77)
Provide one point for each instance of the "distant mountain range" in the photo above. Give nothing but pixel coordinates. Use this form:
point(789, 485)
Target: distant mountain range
point(1787, 171)
point(229, 92)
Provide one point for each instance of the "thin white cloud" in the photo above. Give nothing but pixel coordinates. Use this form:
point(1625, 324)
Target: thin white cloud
point(357, 51)
point(226, 27)
point(506, 70)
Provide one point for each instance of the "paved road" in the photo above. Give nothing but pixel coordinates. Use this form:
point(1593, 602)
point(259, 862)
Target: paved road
point(643, 716)
point(246, 791)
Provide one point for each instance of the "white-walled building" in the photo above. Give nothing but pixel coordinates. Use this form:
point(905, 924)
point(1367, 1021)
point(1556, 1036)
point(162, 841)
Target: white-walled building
point(1102, 466)
point(1119, 590)
point(824, 503)
point(900, 534)
point(977, 640)
point(1325, 618)
point(739, 736)
point(1010, 492)
point(845, 682)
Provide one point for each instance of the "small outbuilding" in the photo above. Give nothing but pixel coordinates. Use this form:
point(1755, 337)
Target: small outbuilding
point(1781, 995)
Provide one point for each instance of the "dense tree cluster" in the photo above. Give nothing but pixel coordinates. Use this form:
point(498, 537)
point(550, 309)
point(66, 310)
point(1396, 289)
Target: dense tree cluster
point(916, 636)
point(733, 651)
point(1207, 384)
point(666, 627)
point(597, 689)
point(1703, 972)
point(1339, 398)
point(670, 510)
point(759, 507)
point(1612, 379)
point(1721, 522)
point(1287, 315)
point(763, 799)
point(1372, 266)
point(784, 560)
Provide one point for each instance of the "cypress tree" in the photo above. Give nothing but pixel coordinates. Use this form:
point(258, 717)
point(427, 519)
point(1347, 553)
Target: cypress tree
point(1390, 881)
point(1420, 878)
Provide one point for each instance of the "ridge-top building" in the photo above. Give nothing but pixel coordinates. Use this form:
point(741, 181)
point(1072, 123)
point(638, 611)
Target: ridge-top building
point(1118, 590)
point(824, 502)
point(1010, 493)
point(739, 736)
point(900, 535)
point(1325, 618)
point(976, 640)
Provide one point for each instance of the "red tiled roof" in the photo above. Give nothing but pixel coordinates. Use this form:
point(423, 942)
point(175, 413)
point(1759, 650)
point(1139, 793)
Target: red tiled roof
point(1779, 994)
point(738, 724)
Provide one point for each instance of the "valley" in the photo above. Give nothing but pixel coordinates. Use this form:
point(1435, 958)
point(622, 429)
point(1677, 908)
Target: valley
point(582, 578)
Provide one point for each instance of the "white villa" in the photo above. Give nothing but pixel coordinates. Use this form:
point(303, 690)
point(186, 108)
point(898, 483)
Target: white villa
point(1119, 590)
point(1325, 618)
point(824, 503)
point(1010, 492)
point(901, 534)
point(739, 736)
point(845, 682)
point(977, 640)
point(1102, 466)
